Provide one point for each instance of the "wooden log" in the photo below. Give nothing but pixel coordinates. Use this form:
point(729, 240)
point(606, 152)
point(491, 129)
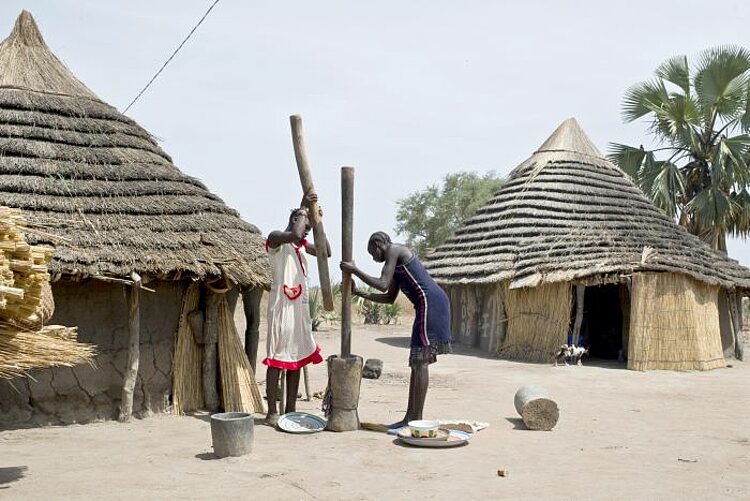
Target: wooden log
point(134, 355)
point(347, 230)
point(14, 292)
point(536, 408)
point(210, 340)
point(316, 215)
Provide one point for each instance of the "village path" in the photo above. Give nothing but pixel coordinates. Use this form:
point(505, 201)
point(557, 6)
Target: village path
point(621, 435)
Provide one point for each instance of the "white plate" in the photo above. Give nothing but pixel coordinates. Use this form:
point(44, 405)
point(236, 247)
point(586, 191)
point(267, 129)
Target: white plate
point(455, 438)
point(301, 422)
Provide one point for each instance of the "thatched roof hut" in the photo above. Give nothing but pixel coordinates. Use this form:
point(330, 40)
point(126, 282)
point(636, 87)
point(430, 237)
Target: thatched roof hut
point(98, 189)
point(82, 171)
point(567, 224)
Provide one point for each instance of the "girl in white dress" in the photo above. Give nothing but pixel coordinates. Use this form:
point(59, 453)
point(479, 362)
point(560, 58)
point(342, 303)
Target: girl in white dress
point(289, 344)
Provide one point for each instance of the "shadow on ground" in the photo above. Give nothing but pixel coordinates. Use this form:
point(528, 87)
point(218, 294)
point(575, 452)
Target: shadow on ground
point(405, 342)
point(10, 474)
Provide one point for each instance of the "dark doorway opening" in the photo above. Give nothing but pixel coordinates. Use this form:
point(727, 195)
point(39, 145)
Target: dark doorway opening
point(602, 326)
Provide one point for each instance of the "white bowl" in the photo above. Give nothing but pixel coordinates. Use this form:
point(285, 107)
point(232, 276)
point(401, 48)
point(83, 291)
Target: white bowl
point(423, 429)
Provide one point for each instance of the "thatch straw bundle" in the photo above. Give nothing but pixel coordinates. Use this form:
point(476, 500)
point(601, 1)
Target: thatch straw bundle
point(187, 391)
point(538, 321)
point(674, 324)
point(240, 392)
point(21, 350)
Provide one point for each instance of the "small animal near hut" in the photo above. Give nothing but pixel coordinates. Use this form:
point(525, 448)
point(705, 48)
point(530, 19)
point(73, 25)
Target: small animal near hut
point(570, 248)
point(570, 354)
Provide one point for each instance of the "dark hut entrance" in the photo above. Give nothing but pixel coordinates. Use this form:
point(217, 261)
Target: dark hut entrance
point(602, 328)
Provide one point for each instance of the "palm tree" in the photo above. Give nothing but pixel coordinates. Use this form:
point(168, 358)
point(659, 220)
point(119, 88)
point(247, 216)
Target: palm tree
point(700, 122)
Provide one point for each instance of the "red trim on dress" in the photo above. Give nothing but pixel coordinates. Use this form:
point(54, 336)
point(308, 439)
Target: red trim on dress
point(293, 292)
point(315, 358)
point(302, 243)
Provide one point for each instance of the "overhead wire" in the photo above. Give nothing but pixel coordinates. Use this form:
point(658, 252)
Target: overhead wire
point(171, 57)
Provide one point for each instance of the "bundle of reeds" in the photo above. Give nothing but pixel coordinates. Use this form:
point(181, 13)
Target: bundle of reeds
point(22, 350)
point(187, 390)
point(240, 392)
point(538, 320)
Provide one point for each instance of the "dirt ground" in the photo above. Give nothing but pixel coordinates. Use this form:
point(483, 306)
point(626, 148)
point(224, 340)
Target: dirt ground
point(621, 435)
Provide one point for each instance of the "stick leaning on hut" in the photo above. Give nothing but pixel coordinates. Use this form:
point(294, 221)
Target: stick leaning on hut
point(26, 303)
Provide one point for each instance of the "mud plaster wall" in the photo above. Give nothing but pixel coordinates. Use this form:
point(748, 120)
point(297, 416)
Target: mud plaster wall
point(82, 394)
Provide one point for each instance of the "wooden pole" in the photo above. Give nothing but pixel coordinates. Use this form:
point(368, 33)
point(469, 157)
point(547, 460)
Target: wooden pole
point(210, 340)
point(580, 292)
point(316, 215)
point(347, 229)
point(735, 308)
point(134, 352)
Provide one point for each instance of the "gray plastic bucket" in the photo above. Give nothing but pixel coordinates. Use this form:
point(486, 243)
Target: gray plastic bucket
point(232, 433)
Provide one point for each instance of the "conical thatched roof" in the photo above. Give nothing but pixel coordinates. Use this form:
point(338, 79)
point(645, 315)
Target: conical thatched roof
point(82, 171)
point(567, 214)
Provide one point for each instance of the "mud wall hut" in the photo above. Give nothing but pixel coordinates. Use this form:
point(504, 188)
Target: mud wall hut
point(570, 250)
point(130, 232)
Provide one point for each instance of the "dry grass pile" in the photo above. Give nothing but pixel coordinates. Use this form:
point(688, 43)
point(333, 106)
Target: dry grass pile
point(240, 392)
point(538, 321)
point(22, 350)
point(674, 324)
point(187, 390)
point(25, 301)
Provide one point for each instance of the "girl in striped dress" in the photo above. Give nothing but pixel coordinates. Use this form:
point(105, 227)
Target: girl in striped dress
point(431, 334)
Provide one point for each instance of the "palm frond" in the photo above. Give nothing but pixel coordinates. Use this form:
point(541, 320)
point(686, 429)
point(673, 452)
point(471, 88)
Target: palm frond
point(667, 185)
point(721, 80)
point(627, 158)
point(643, 98)
point(712, 208)
point(733, 159)
point(741, 217)
point(676, 71)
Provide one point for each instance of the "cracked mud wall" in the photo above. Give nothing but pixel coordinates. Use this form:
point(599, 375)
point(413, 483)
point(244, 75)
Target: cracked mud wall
point(81, 394)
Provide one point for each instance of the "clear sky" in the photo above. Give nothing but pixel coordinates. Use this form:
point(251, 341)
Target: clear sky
point(404, 91)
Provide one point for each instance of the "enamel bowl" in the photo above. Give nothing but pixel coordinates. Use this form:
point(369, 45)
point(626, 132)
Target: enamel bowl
point(423, 429)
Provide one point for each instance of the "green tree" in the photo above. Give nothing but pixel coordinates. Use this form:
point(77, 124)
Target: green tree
point(428, 217)
point(699, 116)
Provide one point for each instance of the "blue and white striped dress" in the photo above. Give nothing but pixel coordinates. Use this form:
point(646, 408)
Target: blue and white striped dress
point(431, 333)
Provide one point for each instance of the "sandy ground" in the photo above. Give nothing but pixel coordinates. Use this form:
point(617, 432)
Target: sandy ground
point(621, 435)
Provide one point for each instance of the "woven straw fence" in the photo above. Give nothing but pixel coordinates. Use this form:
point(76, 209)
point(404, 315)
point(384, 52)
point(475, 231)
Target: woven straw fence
point(674, 324)
point(538, 320)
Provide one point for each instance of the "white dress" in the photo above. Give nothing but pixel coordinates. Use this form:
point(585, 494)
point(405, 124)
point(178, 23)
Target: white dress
point(290, 344)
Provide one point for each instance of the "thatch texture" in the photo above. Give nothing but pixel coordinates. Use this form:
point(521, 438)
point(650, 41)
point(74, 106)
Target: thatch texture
point(239, 390)
point(567, 214)
point(674, 324)
point(93, 178)
point(51, 346)
point(538, 322)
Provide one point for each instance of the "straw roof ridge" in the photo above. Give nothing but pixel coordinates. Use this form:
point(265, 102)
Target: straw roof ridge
point(100, 188)
point(565, 214)
point(28, 63)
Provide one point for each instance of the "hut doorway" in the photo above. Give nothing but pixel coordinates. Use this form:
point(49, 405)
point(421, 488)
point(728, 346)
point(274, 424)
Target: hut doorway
point(602, 327)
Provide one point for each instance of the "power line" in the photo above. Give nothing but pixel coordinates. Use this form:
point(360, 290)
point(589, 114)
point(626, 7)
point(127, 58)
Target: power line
point(170, 57)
